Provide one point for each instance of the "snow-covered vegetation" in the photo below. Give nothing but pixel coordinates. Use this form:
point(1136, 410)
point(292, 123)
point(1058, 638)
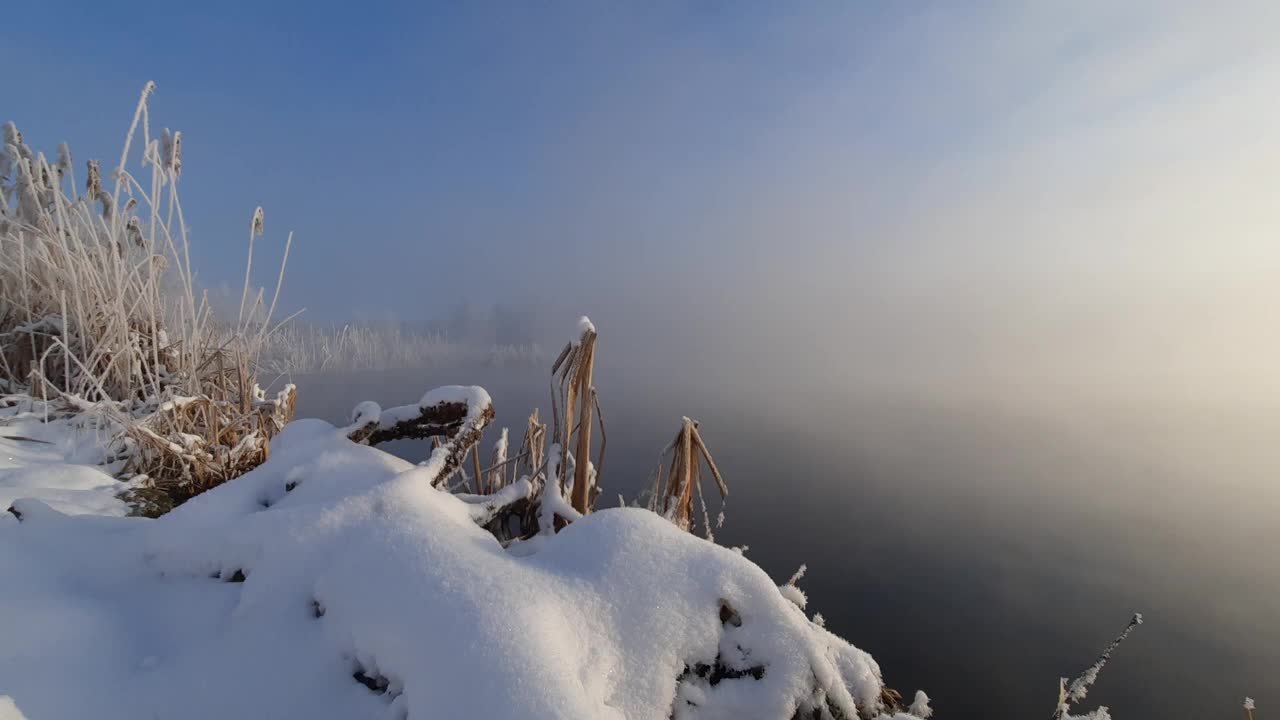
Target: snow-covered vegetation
point(293, 570)
point(336, 580)
point(332, 579)
point(100, 315)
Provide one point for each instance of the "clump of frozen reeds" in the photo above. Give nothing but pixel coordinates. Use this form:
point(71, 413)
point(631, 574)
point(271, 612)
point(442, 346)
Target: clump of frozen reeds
point(551, 479)
point(528, 466)
point(672, 495)
point(309, 348)
point(99, 309)
point(554, 464)
point(564, 482)
point(191, 444)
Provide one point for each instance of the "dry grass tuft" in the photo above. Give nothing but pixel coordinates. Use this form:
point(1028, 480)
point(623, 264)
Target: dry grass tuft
point(190, 445)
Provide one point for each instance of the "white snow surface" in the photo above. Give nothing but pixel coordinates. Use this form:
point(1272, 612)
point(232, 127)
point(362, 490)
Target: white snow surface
point(45, 461)
point(352, 562)
point(9, 710)
point(69, 489)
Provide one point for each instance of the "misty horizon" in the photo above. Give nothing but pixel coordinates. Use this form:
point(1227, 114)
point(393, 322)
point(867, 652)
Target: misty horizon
point(953, 196)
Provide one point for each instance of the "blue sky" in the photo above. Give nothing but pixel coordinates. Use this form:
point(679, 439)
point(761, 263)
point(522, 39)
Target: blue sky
point(892, 175)
point(437, 134)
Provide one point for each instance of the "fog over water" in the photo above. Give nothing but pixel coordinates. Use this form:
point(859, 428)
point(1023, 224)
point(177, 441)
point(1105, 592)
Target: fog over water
point(979, 547)
point(980, 322)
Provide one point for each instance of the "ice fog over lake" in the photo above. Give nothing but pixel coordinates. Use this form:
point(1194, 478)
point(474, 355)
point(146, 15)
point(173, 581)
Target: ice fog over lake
point(1012, 540)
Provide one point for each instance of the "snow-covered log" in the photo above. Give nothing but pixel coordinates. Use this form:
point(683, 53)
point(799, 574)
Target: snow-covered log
point(457, 412)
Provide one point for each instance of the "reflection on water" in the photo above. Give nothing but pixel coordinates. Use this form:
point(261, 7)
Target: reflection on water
point(978, 550)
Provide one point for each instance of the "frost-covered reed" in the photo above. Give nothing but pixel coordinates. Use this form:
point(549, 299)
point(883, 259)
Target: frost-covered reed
point(1075, 692)
point(100, 310)
point(98, 299)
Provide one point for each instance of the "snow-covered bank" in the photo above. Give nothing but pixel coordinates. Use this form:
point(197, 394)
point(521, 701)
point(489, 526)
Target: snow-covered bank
point(334, 582)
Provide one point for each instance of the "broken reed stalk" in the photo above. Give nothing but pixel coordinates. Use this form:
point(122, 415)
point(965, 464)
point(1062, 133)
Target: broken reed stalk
point(533, 448)
point(572, 401)
point(496, 474)
point(604, 439)
point(478, 482)
point(684, 472)
point(711, 463)
point(556, 394)
point(499, 470)
point(532, 443)
point(581, 482)
point(673, 497)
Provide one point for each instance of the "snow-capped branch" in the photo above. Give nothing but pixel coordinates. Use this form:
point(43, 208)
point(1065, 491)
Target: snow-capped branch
point(457, 412)
point(440, 412)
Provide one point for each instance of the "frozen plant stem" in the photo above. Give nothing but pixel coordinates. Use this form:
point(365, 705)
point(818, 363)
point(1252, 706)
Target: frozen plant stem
point(1079, 688)
point(586, 361)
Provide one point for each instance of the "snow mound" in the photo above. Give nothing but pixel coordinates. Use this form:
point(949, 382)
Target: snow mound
point(44, 461)
point(8, 710)
point(69, 489)
point(334, 582)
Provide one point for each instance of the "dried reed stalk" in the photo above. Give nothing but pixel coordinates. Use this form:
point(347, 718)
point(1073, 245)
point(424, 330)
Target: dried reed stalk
point(672, 496)
point(496, 474)
point(582, 382)
point(478, 482)
point(573, 399)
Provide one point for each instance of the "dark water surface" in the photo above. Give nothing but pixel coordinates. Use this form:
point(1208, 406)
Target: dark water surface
point(978, 549)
